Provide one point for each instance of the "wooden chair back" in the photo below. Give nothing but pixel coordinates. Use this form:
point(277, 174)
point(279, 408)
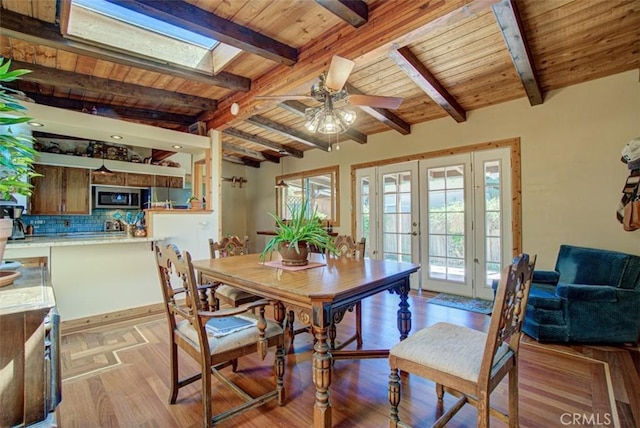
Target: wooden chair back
point(228, 246)
point(348, 247)
point(508, 311)
point(177, 279)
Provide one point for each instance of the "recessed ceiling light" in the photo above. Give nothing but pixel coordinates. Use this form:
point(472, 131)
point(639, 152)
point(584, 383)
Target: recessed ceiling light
point(176, 146)
point(117, 137)
point(36, 124)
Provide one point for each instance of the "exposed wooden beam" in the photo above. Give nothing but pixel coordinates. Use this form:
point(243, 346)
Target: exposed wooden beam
point(508, 18)
point(68, 79)
point(412, 20)
point(288, 132)
point(412, 67)
point(243, 151)
point(299, 108)
point(355, 12)
point(255, 139)
point(241, 161)
point(193, 18)
point(42, 33)
point(114, 111)
point(385, 116)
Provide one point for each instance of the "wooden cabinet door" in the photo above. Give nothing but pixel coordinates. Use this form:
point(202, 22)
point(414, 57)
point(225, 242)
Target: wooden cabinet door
point(115, 179)
point(162, 181)
point(176, 182)
point(76, 191)
point(139, 180)
point(168, 181)
point(47, 190)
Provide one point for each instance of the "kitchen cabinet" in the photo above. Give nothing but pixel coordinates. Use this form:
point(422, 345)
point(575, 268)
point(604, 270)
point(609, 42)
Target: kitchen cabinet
point(115, 179)
point(139, 180)
point(60, 190)
point(168, 181)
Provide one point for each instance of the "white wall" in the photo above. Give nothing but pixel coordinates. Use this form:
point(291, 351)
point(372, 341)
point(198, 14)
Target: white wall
point(572, 175)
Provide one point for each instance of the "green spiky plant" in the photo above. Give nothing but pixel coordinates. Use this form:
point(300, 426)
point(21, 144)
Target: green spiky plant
point(16, 151)
point(301, 227)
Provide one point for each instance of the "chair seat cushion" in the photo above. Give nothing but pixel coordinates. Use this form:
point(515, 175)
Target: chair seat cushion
point(234, 340)
point(233, 293)
point(448, 348)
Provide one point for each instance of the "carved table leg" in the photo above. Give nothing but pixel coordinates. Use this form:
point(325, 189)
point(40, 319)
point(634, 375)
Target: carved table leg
point(404, 314)
point(290, 330)
point(278, 313)
point(321, 379)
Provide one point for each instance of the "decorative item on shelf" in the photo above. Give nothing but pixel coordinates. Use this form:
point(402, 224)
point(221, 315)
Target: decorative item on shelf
point(295, 235)
point(16, 152)
point(140, 232)
point(130, 221)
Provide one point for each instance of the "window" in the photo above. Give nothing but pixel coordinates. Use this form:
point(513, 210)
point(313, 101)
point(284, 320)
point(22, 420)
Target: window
point(319, 187)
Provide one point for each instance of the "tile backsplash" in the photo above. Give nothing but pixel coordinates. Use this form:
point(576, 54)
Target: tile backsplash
point(52, 224)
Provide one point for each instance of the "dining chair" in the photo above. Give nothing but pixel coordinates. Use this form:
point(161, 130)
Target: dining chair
point(193, 330)
point(347, 248)
point(467, 363)
point(234, 297)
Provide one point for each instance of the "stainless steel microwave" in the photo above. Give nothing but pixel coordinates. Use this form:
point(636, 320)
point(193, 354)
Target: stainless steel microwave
point(114, 197)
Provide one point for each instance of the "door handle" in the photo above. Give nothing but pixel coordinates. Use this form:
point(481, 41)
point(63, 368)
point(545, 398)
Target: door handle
point(411, 233)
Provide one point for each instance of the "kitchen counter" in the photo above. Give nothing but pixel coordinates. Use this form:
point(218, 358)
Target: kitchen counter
point(72, 239)
point(31, 291)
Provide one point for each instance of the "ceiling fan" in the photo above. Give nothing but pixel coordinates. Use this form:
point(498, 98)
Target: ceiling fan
point(329, 89)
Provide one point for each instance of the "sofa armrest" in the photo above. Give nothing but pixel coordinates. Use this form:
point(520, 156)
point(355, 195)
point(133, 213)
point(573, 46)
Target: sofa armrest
point(546, 277)
point(591, 293)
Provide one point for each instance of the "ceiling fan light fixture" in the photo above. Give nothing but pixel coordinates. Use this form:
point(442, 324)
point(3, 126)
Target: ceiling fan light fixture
point(348, 116)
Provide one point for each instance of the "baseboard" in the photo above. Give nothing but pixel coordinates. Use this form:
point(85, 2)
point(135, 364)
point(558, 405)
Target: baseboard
point(111, 318)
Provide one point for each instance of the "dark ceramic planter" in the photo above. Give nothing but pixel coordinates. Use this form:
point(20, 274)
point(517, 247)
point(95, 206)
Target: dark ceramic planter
point(291, 257)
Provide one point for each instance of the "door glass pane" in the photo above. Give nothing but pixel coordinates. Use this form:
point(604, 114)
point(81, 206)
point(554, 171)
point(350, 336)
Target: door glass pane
point(493, 220)
point(396, 217)
point(445, 190)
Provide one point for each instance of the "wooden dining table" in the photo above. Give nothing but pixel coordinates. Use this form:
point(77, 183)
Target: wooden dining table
point(318, 295)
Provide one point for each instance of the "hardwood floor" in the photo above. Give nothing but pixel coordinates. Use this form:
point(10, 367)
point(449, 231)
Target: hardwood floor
point(117, 376)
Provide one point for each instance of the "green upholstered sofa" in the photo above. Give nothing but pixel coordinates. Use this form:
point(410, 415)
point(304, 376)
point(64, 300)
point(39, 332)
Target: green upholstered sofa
point(592, 296)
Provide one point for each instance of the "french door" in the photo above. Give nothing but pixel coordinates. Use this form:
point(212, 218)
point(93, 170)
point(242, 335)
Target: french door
point(450, 214)
point(466, 220)
point(387, 213)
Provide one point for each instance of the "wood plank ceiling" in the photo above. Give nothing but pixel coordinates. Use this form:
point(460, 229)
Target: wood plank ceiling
point(444, 58)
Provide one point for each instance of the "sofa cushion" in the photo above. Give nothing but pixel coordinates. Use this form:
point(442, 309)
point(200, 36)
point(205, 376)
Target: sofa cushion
point(544, 296)
point(546, 277)
point(578, 265)
point(591, 293)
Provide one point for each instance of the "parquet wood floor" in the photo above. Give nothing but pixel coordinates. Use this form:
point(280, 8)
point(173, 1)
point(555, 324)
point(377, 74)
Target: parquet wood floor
point(117, 376)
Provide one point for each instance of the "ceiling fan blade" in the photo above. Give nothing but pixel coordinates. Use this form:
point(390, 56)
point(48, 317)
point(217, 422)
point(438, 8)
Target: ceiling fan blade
point(391, 103)
point(283, 97)
point(338, 73)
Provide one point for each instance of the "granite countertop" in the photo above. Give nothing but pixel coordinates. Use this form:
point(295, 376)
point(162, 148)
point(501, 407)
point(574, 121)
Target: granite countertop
point(71, 239)
point(31, 291)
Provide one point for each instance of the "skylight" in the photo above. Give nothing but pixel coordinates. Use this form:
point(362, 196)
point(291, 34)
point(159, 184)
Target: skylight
point(104, 23)
point(134, 18)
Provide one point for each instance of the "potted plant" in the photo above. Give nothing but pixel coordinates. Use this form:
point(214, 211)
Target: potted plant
point(16, 151)
point(194, 203)
point(295, 235)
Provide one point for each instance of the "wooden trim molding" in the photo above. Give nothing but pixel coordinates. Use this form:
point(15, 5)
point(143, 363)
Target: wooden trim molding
point(100, 320)
point(516, 184)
